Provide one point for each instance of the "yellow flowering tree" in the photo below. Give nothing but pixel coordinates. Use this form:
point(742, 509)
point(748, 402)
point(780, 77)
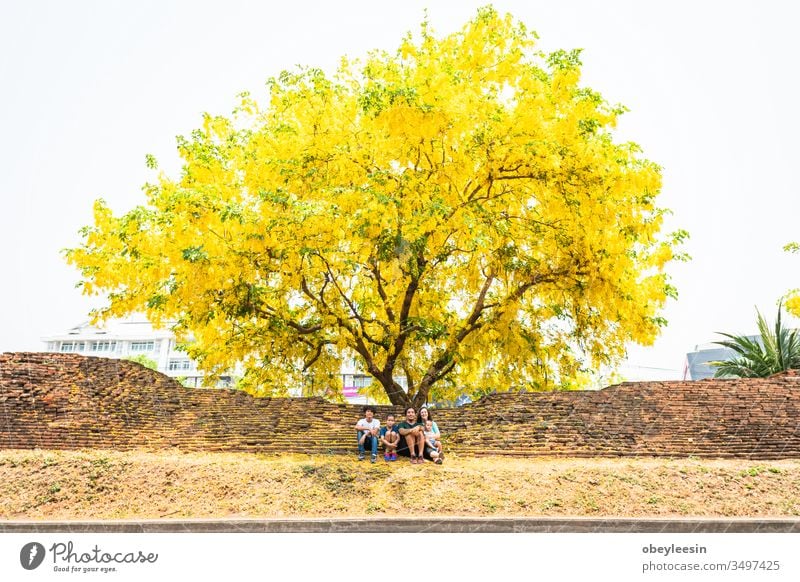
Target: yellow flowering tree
point(455, 213)
point(793, 297)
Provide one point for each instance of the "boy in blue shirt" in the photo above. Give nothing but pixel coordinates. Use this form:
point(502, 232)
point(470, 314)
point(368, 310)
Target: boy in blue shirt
point(390, 437)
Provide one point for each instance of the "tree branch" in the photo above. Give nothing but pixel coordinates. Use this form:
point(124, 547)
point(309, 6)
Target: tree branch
point(405, 330)
point(316, 355)
point(358, 317)
point(409, 376)
point(446, 361)
point(358, 343)
point(381, 291)
point(298, 327)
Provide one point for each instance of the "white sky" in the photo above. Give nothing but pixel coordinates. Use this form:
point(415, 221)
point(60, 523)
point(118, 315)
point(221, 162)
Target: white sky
point(89, 88)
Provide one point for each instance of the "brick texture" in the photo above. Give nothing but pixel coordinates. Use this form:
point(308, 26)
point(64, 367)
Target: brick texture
point(67, 401)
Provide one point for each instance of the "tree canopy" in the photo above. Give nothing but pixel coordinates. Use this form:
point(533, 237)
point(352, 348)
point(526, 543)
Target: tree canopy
point(455, 213)
point(793, 297)
point(149, 363)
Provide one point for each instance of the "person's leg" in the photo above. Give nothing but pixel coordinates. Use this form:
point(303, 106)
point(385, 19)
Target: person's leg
point(430, 452)
point(360, 437)
point(393, 439)
point(411, 441)
point(391, 444)
point(402, 447)
point(420, 447)
point(374, 445)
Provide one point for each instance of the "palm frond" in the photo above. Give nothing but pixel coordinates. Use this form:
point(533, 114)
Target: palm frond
point(773, 352)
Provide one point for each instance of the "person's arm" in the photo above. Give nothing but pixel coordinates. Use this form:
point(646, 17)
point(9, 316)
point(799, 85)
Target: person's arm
point(359, 426)
point(403, 431)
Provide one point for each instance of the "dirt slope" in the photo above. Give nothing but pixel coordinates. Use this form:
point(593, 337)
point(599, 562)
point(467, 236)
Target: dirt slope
point(41, 484)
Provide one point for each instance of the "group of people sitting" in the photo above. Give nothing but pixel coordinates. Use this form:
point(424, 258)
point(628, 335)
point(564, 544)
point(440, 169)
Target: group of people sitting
point(417, 436)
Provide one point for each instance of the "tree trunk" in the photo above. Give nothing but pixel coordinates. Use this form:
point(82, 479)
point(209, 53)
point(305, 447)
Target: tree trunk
point(398, 397)
point(400, 400)
point(395, 393)
point(420, 398)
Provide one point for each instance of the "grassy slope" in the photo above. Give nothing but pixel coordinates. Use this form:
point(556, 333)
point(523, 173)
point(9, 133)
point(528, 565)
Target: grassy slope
point(43, 485)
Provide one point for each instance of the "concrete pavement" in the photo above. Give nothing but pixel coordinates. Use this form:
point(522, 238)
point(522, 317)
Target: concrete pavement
point(413, 524)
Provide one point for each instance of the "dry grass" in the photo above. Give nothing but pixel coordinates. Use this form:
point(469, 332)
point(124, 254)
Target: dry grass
point(49, 485)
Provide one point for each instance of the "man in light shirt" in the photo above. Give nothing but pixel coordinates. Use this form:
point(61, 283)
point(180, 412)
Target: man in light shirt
point(367, 433)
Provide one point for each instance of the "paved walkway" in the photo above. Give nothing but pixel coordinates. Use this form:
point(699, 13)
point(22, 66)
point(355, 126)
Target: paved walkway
point(414, 524)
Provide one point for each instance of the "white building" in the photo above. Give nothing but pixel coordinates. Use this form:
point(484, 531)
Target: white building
point(130, 338)
point(698, 363)
point(353, 379)
point(135, 336)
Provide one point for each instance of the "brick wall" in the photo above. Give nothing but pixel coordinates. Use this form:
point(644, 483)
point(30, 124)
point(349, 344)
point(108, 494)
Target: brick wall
point(67, 401)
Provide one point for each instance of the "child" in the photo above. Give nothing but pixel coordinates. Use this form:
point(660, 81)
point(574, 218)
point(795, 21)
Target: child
point(432, 438)
point(390, 437)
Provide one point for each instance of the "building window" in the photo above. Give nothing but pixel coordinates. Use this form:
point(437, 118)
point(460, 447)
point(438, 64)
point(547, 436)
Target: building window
point(102, 346)
point(361, 381)
point(142, 346)
point(176, 365)
point(72, 346)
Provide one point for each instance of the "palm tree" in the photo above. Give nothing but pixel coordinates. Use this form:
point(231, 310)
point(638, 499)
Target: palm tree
point(761, 357)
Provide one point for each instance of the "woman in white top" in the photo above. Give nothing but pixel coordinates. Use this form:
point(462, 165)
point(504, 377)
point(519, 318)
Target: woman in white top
point(424, 416)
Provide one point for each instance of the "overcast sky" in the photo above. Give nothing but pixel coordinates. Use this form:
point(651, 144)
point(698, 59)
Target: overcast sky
point(89, 88)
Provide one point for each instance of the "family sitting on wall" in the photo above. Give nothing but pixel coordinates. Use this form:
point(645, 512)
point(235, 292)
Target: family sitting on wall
point(417, 436)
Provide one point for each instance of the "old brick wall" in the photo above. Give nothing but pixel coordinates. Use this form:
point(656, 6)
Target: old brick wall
point(66, 401)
